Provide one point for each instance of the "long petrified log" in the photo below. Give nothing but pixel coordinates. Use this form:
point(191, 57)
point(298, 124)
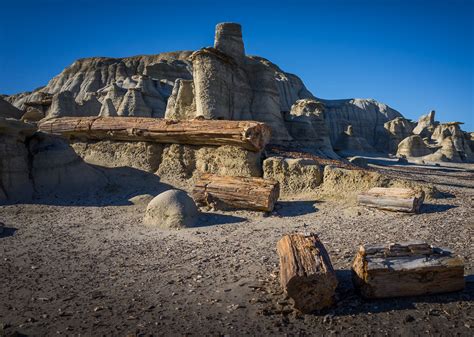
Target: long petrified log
point(236, 192)
point(406, 269)
point(250, 135)
point(306, 272)
point(393, 199)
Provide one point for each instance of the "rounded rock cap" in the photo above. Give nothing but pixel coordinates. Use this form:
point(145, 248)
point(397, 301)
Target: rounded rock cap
point(229, 28)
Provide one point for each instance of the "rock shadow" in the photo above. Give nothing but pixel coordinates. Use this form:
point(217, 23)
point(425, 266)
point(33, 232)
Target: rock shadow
point(351, 303)
point(295, 208)
point(122, 184)
point(216, 219)
point(435, 208)
point(7, 231)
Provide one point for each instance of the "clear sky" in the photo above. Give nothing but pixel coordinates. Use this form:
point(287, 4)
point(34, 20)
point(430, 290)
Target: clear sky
point(412, 55)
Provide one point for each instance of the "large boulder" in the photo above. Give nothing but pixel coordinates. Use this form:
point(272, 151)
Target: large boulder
point(173, 209)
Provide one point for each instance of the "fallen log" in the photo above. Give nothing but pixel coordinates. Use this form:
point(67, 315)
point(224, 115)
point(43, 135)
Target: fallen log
point(392, 199)
point(306, 272)
point(406, 269)
point(220, 192)
point(250, 135)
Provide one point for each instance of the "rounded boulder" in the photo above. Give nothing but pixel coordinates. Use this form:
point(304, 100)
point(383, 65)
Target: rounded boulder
point(172, 209)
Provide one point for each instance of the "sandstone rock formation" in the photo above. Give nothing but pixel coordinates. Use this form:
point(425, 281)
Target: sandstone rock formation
point(34, 164)
point(172, 162)
point(426, 125)
point(219, 82)
point(366, 116)
point(348, 143)
point(9, 111)
point(413, 146)
point(295, 176)
point(172, 209)
point(15, 182)
point(347, 184)
point(307, 126)
point(397, 129)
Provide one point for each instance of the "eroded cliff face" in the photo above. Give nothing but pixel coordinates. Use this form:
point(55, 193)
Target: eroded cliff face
point(217, 83)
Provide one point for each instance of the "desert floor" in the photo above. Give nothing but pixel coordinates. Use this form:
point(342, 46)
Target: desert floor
point(91, 268)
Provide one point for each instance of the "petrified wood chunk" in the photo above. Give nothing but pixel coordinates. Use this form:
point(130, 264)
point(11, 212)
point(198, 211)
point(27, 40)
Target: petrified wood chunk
point(236, 192)
point(392, 199)
point(306, 272)
point(406, 269)
point(250, 135)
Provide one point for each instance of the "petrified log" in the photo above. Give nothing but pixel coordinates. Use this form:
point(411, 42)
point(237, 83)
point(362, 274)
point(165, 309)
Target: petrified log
point(236, 192)
point(250, 135)
point(406, 269)
point(393, 199)
point(306, 272)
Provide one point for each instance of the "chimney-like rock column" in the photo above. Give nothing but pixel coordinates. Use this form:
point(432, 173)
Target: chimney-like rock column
point(228, 39)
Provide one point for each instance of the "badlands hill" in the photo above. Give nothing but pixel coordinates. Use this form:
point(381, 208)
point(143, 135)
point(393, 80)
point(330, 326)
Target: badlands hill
point(222, 82)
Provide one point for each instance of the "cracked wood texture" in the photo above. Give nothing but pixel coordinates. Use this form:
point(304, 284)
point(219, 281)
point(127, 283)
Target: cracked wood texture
point(393, 199)
point(306, 272)
point(406, 269)
point(250, 135)
point(221, 192)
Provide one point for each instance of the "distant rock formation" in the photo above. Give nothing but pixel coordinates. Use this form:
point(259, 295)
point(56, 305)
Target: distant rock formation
point(434, 142)
point(398, 129)
point(413, 146)
point(426, 125)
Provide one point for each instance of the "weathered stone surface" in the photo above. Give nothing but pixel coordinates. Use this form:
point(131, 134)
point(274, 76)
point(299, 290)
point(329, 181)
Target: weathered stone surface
point(228, 39)
point(348, 143)
point(295, 176)
point(221, 86)
point(366, 116)
point(307, 126)
point(172, 209)
point(15, 183)
point(7, 110)
point(56, 170)
point(414, 146)
point(219, 83)
point(182, 162)
point(426, 125)
point(398, 129)
point(36, 164)
point(181, 103)
point(140, 155)
point(343, 183)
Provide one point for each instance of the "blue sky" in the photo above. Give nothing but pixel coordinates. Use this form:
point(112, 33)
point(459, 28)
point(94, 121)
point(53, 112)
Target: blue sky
point(412, 55)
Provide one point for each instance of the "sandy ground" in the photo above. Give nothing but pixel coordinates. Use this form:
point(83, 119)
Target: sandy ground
point(90, 268)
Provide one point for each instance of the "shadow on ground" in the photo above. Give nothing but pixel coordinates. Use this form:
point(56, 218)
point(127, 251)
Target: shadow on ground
point(350, 302)
point(123, 183)
point(295, 208)
point(7, 231)
point(434, 208)
point(214, 219)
